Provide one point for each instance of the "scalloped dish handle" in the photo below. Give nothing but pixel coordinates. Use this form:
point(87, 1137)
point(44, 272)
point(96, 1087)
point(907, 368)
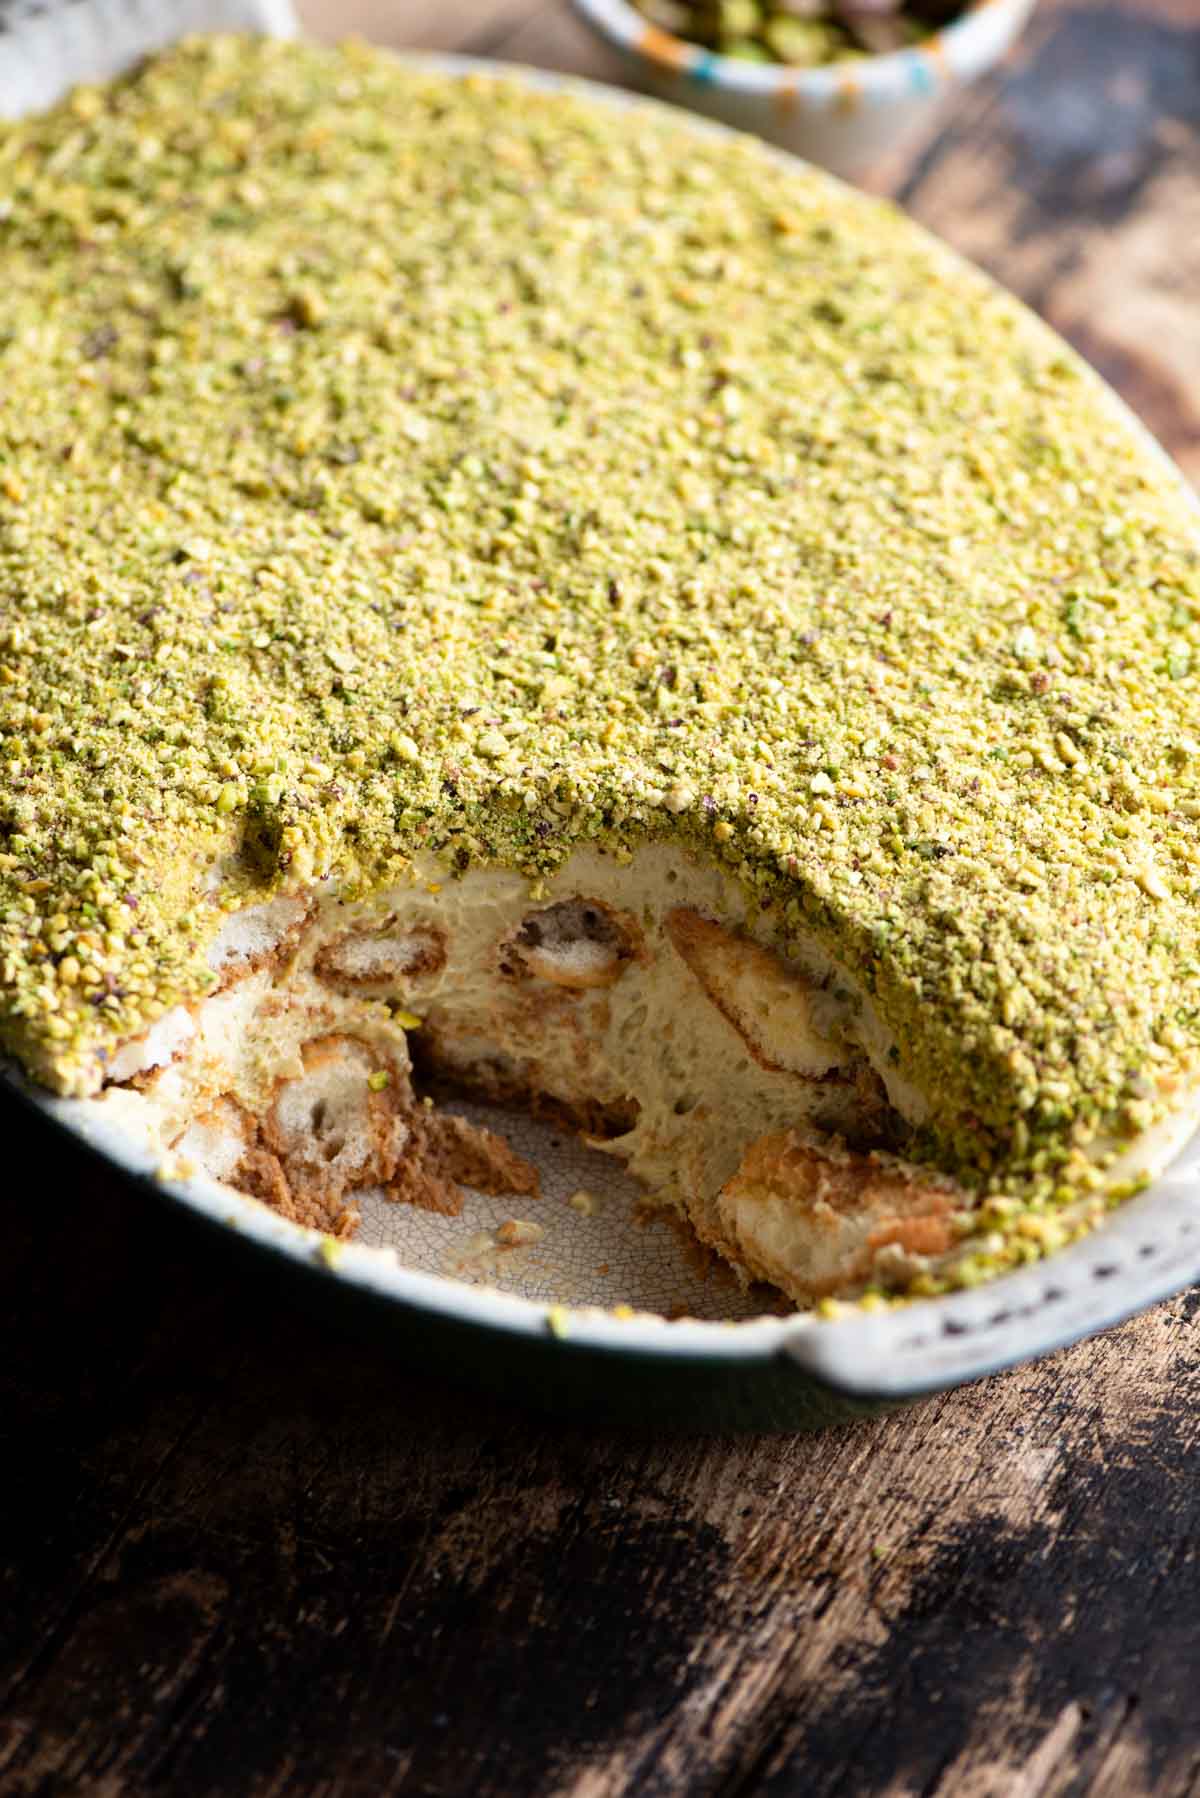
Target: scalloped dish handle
point(1147, 1251)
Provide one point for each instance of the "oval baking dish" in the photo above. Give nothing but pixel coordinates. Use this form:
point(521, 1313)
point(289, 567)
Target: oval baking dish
point(720, 1370)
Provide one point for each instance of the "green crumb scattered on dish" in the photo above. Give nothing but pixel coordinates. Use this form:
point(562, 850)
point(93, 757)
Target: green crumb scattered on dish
point(391, 464)
point(329, 1251)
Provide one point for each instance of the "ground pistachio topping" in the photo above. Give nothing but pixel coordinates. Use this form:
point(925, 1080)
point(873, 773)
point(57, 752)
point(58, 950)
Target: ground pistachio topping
point(392, 463)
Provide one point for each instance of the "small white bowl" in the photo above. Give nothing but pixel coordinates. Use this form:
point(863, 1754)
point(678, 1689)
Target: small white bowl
point(845, 115)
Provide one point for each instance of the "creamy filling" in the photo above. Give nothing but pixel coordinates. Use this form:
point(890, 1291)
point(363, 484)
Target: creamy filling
point(749, 1085)
point(643, 1002)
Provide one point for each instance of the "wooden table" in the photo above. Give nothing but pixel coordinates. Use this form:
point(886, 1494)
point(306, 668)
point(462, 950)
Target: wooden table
point(245, 1556)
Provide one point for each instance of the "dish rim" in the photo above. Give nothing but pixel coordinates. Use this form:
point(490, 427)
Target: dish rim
point(1147, 1250)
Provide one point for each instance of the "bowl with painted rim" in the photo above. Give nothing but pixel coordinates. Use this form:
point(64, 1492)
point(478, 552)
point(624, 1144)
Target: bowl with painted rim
point(845, 115)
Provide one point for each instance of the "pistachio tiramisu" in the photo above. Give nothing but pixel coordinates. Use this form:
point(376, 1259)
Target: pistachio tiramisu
point(505, 592)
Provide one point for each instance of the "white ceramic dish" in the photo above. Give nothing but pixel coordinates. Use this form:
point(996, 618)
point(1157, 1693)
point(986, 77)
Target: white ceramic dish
point(845, 116)
point(545, 1328)
point(737, 1371)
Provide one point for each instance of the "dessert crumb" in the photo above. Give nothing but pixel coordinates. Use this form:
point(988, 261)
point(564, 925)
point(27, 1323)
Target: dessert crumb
point(516, 1232)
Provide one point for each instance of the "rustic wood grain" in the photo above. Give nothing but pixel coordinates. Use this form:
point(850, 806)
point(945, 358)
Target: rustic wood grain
point(248, 1556)
point(1076, 180)
point(544, 33)
point(243, 1554)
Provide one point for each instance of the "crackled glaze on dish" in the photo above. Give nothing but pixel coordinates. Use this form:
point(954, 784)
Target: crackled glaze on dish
point(392, 465)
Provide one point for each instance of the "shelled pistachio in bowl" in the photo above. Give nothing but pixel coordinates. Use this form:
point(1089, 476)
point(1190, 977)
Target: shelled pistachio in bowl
point(801, 33)
point(841, 82)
